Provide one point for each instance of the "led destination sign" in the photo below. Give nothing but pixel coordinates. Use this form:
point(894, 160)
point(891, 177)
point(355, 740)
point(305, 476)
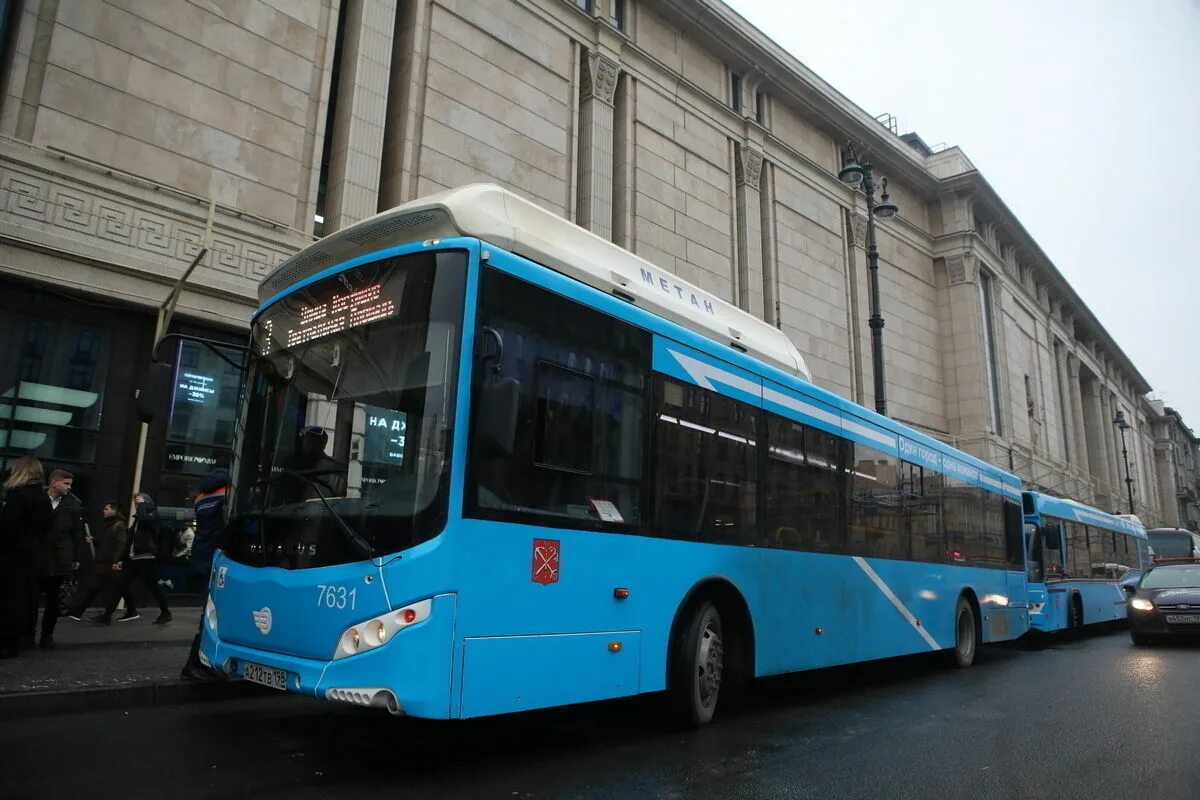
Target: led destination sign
point(340, 312)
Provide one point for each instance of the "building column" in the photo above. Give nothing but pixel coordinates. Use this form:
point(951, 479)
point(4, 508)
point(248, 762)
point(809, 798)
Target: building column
point(352, 188)
point(597, 88)
point(748, 173)
point(965, 364)
point(770, 247)
point(1112, 443)
point(1062, 402)
point(1078, 429)
point(1164, 469)
point(1093, 424)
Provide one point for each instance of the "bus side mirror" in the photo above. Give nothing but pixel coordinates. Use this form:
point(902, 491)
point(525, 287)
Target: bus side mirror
point(154, 397)
point(496, 421)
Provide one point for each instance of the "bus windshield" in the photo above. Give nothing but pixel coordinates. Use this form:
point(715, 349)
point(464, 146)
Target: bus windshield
point(343, 448)
point(1171, 544)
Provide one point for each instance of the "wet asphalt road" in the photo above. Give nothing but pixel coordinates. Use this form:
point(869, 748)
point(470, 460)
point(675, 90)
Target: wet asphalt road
point(1094, 718)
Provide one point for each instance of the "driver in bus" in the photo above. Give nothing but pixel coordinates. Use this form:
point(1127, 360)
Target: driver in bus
point(313, 463)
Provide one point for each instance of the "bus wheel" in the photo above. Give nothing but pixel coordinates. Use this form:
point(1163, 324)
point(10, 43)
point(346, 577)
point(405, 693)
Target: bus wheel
point(698, 666)
point(965, 640)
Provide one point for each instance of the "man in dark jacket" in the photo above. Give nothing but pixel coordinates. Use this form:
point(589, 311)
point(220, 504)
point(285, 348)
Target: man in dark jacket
point(139, 565)
point(60, 551)
point(110, 547)
point(210, 524)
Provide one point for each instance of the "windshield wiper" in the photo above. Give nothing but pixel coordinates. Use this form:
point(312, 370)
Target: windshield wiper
point(352, 535)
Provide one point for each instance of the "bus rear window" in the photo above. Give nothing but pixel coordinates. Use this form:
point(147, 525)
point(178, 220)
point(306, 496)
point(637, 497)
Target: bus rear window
point(1171, 544)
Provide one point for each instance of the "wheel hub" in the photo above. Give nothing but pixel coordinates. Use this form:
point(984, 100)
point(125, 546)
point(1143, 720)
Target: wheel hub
point(708, 674)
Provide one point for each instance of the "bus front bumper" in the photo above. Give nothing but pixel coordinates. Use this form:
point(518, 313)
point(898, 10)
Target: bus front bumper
point(408, 675)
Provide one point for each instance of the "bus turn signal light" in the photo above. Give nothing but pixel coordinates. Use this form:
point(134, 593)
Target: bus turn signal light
point(409, 615)
point(620, 593)
point(614, 647)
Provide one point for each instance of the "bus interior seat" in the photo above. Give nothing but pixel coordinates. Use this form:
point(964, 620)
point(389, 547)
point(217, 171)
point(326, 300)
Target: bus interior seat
point(684, 506)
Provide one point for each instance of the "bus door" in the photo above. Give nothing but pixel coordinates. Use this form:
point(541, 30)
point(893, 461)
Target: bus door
point(1054, 614)
point(1035, 571)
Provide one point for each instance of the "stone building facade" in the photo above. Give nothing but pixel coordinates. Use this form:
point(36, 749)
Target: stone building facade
point(135, 133)
point(1178, 463)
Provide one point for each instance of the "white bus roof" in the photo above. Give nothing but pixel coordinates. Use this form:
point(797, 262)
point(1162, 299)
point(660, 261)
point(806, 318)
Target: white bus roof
point(504, 219)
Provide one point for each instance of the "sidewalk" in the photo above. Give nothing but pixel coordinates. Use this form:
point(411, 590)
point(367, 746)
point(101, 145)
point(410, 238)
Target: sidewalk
point(95, 667)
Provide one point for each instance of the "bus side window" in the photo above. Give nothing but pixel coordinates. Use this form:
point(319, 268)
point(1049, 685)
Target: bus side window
point(876, 524)
point(706, 457)
point(1014, 550)
point(581, 376)
point(801, 488)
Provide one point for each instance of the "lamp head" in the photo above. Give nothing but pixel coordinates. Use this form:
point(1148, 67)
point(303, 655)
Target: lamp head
point(885, 208)
point(852, 172)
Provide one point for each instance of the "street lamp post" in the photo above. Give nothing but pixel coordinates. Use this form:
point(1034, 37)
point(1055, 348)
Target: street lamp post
point(1122, 425)
point(854, 174)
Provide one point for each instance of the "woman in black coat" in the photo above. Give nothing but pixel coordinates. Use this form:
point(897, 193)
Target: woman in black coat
point(24, 522)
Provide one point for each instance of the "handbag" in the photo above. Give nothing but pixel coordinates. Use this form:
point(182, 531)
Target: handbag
point(66, 591)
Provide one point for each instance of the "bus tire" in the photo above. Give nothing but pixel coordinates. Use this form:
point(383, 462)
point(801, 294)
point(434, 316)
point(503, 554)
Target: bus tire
point(1075, 617)
point(966, 635)
point(699, 664)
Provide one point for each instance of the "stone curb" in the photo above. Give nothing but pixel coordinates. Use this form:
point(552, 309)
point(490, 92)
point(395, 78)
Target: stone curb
point(139, 695)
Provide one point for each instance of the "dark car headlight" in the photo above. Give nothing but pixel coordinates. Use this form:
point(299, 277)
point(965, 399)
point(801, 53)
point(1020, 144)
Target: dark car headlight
point(1141, 604)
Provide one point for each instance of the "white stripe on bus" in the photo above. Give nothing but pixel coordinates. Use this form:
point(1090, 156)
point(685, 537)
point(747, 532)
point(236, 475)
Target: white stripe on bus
point(701, 372)
point(890, 595)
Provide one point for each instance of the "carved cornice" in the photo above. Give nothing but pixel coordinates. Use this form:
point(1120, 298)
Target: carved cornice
point(858, 229)
point(749, 166)
point(599, 77)
point(59, 204)
point(961, 268)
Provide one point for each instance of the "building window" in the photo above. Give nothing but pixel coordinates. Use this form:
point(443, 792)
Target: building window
point(989, 352)
point(735, 91)
point(760, 108)
point(618, 14)
point(585, 5)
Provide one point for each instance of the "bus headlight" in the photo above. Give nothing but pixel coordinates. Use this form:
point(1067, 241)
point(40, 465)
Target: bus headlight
point(1141, 604)
point(210, 614)
point(376, 631)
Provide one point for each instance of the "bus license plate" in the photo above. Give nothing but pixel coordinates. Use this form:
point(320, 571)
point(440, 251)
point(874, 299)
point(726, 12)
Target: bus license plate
point(267, 676)
point(1183, 619)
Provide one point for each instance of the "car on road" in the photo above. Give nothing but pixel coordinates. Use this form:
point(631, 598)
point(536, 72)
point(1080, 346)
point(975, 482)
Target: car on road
point(1174, 543)
point(1166, 602)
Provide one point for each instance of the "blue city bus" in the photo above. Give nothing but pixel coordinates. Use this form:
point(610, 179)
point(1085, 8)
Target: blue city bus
point(488, 462)
point(1080, 558)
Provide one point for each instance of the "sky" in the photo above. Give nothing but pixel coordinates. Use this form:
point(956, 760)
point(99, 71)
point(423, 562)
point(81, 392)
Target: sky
point(1084, 115)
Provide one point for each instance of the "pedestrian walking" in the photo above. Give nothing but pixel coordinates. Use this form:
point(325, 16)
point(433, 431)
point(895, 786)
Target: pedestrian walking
point(210, 524)
point(24, 522)
point(110, 544)
point(59, 553)
point(139, 565)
